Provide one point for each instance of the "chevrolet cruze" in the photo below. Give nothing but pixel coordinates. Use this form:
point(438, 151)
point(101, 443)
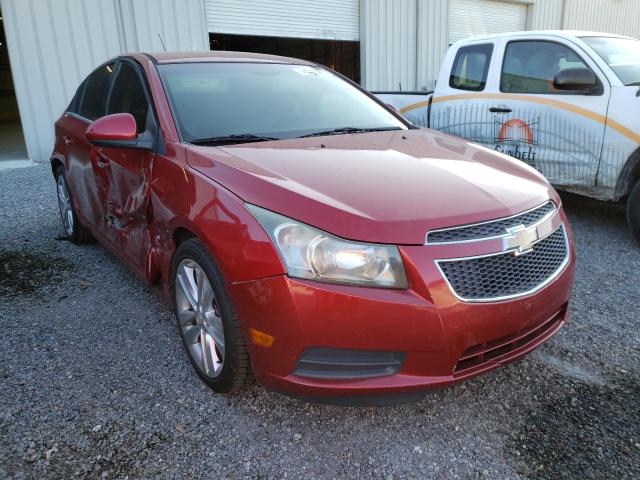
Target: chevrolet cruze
point(306, 234)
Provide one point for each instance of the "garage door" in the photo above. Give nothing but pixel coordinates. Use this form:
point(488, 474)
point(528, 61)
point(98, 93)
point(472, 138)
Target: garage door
point(469, 18)
point(326, 19)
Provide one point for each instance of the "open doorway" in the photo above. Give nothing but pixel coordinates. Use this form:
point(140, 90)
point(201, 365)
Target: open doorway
point(12, 145)
point(342, 56)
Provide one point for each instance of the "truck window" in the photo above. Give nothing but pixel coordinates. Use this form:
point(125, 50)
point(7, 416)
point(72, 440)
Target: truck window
point(530, 66)
point(470, 67)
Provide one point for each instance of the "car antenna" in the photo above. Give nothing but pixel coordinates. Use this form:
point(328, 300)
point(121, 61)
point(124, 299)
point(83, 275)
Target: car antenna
point(161, 42)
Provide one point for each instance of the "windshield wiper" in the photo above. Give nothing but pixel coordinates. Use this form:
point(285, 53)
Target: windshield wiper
point(231, 139)
point(344, 130)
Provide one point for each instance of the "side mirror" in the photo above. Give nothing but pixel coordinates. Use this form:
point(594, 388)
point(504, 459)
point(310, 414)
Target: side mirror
point(576, 79)
point(118, 130)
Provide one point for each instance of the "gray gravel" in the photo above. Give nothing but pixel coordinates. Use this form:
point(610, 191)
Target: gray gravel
point(94, 382)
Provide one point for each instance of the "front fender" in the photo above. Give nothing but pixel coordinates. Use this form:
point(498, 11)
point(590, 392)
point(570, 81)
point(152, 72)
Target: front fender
point(196, 204)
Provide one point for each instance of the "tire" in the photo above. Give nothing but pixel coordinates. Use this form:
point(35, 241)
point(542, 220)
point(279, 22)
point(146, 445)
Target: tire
point(73, 229)
point(633, 211)
point(207, 321)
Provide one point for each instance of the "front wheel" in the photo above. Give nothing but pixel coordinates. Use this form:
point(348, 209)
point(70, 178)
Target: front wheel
point(209, 326)
point(633, 211)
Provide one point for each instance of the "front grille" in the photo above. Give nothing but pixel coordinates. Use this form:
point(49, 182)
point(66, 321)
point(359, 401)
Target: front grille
point(481, 354)
point(490, 229)
point(506, 275)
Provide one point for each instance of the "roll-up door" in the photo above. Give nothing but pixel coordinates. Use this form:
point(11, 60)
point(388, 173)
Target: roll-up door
point(317, 19)
point(469, 18)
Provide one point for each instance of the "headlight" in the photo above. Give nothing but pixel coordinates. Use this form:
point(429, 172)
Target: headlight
point(311, 253)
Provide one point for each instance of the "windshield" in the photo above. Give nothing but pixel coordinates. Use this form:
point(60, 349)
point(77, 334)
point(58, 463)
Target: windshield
point(621, 54)
point(261, 101)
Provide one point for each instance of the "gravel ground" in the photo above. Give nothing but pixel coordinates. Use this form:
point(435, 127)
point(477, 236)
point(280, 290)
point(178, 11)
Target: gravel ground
point(94, 382)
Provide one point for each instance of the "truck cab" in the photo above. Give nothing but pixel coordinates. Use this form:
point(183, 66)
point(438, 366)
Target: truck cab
point(567, 103)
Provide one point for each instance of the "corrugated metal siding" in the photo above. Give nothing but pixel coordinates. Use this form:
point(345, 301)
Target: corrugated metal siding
point(328, 19)
point(433, 40)
point(389, 45)
point(51, 48)
point(54, 44)
point(470, 18)
point(545, 15)
point(611, 16)
point(181, 25)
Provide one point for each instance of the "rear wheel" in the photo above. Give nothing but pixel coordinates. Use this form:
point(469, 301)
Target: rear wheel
point(209, 326)
point(633, 211)
point(74, 230)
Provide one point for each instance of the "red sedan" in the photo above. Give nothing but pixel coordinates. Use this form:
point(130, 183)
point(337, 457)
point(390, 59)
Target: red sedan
point(305, 233)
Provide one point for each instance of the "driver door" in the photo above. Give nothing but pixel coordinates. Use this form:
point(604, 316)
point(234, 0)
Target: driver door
point(123, 174)
point(558, 132)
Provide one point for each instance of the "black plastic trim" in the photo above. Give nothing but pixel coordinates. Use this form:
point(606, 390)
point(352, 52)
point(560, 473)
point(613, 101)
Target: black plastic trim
point(337, 363)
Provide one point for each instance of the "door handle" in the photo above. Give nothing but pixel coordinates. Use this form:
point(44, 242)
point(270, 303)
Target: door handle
point(101, 162)
point(500, 110)
point(67, 140)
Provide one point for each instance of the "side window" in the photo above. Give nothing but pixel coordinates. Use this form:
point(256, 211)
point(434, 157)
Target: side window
point(74, 105)
point(127, 96)
point(94, 99)
point(530, 67)
point(470, 67)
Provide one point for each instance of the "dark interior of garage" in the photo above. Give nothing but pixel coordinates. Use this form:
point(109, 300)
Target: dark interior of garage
point(342, 56)
point(11, 140)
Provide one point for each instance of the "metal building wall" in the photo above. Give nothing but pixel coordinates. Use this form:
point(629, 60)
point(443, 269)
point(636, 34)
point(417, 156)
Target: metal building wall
point(545, 15)
point(433, 40)
point(54, 44)
point(182, 25)
point(611, 16)
point(388, 44)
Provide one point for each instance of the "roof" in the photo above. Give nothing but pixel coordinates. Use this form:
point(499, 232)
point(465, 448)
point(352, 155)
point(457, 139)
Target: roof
point(556, 33)
point(222, 56)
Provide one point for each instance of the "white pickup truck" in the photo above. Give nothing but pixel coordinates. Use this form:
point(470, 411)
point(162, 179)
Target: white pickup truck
point(566, 103)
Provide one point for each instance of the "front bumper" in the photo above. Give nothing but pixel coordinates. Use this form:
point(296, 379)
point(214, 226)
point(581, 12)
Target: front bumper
point(442, 339)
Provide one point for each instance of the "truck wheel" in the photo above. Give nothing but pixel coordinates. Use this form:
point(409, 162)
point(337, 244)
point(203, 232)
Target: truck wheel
point(633, 211)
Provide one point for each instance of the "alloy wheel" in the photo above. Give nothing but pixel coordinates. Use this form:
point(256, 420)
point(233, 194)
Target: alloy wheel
point(64, 202)
point(199, 317)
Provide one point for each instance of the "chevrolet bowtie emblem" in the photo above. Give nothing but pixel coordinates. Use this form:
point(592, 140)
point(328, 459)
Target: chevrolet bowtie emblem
point(520, 239)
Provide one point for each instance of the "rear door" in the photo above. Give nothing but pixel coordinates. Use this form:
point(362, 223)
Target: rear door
point(463, 93)
point(90, 103)
point(123, 174)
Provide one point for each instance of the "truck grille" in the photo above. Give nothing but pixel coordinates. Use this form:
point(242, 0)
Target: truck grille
point(490, 229)
point(505, 275)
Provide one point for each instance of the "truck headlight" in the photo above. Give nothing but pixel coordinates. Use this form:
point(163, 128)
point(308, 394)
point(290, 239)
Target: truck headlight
point(316, 255)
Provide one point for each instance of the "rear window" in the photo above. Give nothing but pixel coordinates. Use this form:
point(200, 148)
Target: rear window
point(74, 105)
point(470, 67)
point(94, 100)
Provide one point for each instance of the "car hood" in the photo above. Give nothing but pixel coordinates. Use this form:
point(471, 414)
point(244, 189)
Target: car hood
point(385, 187)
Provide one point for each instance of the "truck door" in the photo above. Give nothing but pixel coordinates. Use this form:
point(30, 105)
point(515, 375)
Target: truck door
point(551, 110)
point(504, 94)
